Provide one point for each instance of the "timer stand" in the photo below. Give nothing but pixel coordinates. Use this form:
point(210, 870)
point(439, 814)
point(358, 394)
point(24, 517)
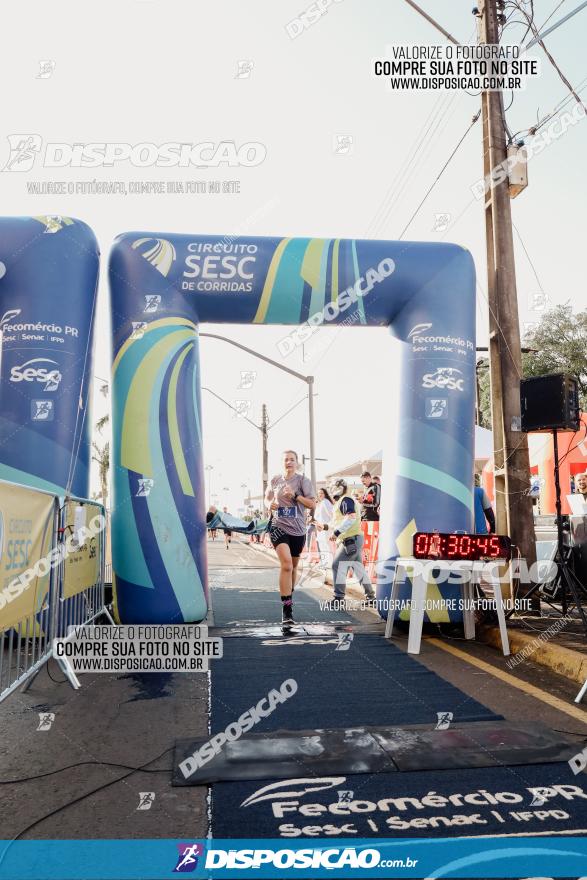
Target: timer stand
point(411, 568)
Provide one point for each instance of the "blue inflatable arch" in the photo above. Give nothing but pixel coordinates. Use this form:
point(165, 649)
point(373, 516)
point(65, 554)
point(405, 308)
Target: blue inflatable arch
point(163, 286)
point(48, 286)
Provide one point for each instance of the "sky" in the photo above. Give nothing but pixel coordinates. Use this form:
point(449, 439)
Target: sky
point(155, 71)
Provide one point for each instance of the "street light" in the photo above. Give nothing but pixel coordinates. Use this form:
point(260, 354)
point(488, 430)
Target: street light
point(209, 468)
point(309, 380)
point(263, 428)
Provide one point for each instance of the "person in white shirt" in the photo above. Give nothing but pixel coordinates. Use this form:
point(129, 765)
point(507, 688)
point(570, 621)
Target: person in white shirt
point(323, 515)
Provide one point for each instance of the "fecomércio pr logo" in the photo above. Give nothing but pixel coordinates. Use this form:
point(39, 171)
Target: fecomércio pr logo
point(187, 860)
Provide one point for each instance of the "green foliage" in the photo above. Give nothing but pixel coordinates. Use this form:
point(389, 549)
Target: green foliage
point(560, 340)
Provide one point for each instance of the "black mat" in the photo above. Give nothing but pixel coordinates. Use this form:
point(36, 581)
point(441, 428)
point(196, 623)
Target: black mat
point(285, 754)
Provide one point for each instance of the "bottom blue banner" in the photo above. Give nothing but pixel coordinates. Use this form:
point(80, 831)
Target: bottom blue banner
point(471, 857)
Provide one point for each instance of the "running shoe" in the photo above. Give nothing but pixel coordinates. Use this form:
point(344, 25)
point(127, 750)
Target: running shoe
point(287, 614)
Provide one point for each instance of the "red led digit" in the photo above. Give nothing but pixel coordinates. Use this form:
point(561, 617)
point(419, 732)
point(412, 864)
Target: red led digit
point(422, 541)
point(464, 545)
point(435, 545)
point(453, 545)
point(494, 546)
point(483, 544)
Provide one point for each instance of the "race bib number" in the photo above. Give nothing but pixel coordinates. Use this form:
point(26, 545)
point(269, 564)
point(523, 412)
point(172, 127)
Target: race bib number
point(286, 512)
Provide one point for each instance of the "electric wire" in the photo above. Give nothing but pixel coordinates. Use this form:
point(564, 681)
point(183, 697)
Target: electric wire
point(550, 58)
point(82, 797)
point(440, 173)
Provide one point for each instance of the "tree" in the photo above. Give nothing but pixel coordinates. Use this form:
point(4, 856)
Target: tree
point(560, 338)
point(560, 343)
point(101, 455)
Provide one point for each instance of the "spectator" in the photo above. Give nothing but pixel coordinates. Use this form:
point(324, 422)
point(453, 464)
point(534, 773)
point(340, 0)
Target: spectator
point(346, 529)
point(371, 498)
point(581, 485)
point(377, 481)
point(322, 516)
point(484, 514)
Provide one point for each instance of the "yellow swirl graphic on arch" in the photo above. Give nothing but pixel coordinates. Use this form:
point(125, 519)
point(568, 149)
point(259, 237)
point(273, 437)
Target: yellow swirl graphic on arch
point(138, 411)
point(161, 255)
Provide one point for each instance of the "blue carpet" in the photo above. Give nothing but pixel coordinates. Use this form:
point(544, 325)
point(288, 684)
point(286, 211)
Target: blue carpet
point(371, 683)
point(261, 604)
point(501, 804)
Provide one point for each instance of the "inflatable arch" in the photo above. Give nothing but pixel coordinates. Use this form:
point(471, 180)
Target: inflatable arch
point(48, 285)
point(163, 286)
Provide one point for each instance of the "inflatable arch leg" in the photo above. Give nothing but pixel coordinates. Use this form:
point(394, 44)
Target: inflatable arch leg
point(48, 287)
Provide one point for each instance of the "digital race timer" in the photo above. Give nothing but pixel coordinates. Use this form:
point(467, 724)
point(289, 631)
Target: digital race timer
point(435, 545)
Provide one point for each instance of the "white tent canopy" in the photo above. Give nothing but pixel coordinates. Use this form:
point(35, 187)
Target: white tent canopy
point(373, 463)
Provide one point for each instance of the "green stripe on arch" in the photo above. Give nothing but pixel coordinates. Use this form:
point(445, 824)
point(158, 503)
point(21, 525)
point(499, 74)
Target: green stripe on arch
point(423, 473)
point(178, 456)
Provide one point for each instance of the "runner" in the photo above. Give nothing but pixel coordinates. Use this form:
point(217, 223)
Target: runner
point(227, 532)
point(212, 511)
point(288, 496)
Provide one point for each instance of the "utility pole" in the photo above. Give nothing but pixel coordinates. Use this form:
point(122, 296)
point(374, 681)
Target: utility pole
point(312, 431)
point(264, 429)
point(511, 460)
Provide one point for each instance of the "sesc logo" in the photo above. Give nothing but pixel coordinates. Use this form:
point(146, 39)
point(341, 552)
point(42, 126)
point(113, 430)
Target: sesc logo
point(444, 377)
point(32, 371)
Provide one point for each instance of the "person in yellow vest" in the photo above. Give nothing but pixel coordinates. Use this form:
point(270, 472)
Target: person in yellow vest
point(345, 527)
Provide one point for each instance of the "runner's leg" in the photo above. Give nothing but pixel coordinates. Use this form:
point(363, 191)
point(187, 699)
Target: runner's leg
point(286, 575)
point(286, 569)
point(295, 561)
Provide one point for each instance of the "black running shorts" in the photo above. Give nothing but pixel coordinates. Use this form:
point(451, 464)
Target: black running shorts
point(295, 543)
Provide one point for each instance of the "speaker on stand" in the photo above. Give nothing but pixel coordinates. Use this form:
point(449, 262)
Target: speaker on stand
point(551, 404)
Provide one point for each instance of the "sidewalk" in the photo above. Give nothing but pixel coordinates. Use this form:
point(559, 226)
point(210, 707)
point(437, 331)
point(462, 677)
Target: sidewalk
point(548, 640)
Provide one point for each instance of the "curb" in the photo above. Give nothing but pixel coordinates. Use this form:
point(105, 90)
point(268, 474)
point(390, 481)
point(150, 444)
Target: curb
point(563, 661)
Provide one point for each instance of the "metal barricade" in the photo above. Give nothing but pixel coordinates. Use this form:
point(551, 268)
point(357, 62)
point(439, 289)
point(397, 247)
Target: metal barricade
point(74, 596)
point(26, 644)
point(80, 604)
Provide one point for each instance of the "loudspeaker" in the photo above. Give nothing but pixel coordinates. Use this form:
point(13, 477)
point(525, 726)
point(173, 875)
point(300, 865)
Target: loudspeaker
point(550, 402)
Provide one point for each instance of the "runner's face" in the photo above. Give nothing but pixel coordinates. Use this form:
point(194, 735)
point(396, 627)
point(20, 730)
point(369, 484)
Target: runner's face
point(289, 463)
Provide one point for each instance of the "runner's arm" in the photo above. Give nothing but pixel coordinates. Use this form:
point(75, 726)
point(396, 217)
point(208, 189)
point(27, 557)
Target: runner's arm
point(306, 496)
